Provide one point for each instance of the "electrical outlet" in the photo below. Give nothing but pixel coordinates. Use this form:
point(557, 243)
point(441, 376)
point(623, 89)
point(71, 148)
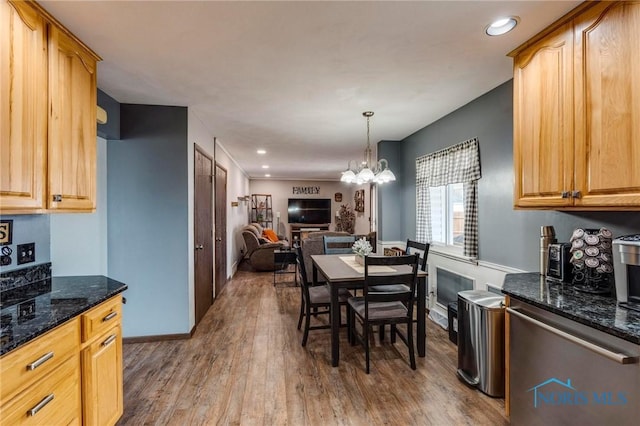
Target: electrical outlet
point(26, 253)
point(26, 311)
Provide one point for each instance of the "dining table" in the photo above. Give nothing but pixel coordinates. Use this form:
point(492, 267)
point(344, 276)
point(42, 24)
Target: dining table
point(341, 271)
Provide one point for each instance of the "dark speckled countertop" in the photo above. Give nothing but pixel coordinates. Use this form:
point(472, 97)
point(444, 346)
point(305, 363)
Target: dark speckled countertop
point(48, 303)
point(602, 313)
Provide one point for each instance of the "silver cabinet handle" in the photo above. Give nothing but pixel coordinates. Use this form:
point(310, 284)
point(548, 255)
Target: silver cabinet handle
point(110, 316)
point(576, 194)
point(37, 363)
point(614, 356)
point(40, 405)
point(109, 340)
point(199, 247)
point(565, 194)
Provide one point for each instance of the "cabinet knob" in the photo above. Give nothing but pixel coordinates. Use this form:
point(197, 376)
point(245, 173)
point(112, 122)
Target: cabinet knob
point(57, 198)
point(565, 194)
point(576, 194)
point(199, 247)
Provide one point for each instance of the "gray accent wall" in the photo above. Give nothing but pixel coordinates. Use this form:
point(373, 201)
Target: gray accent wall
point(390, 225)
point(111, 129)
point(507, 237)
point(148, 218)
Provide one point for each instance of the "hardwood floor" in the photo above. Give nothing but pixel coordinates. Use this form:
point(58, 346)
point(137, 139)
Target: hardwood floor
point(245, 366)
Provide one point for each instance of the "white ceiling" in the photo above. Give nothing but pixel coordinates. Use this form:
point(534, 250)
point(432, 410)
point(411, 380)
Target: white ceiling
point(294, 77)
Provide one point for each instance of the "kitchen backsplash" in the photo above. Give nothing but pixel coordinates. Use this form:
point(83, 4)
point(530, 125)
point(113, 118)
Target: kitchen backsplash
point(24, 276)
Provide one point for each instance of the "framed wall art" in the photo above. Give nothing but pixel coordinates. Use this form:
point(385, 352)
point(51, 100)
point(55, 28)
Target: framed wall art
point(359, 200)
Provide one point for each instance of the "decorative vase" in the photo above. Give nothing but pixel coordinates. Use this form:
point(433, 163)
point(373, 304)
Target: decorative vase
point(359, 259)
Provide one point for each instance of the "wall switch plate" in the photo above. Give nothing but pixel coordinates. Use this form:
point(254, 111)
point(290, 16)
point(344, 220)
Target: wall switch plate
point(26, 253)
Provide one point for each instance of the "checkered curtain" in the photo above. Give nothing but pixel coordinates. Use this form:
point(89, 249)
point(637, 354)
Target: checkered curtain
point(457, 164)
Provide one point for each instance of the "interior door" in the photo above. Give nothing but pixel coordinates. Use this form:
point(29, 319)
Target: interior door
point(221, 228)
point(203, 233)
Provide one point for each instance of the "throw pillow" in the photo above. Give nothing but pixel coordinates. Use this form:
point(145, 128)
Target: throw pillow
point(270, 235)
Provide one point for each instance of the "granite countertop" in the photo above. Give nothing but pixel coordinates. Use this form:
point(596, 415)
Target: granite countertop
point(599, 312)
point(48, 303)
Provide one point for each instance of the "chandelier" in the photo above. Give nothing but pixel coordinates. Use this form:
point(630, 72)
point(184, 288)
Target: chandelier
point(364, 172)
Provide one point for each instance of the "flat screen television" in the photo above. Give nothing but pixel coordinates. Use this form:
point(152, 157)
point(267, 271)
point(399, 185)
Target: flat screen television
point(309, 210)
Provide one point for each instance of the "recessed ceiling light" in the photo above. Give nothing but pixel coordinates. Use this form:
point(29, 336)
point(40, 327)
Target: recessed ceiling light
point(502, 26)
point(261, 151)
point(264, 166)
point(267, 175)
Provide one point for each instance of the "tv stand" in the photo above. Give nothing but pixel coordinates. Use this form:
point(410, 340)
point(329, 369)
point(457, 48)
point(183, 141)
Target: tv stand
point(299, 231)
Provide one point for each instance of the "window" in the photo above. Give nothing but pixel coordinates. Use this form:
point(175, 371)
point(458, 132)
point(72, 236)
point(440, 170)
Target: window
point(447, 214)
point(447, 197)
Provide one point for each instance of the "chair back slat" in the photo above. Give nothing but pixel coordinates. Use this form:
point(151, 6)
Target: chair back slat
point(406, 279)
point(338, 244)
point(422, 249)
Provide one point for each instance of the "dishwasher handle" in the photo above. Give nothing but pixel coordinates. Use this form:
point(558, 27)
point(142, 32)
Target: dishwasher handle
point(614, 356)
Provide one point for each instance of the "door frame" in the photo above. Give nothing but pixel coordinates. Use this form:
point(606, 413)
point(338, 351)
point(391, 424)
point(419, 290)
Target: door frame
point(197, 149)
point(217, 202)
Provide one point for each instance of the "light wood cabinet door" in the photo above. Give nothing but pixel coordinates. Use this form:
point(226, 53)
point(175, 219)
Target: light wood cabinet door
point(72, 125)
point(543, 121)
point(102, 379)
point(23, 108)
point(607, 93)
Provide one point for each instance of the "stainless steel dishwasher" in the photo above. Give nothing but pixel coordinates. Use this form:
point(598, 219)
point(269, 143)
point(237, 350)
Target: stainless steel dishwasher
point(566, 373)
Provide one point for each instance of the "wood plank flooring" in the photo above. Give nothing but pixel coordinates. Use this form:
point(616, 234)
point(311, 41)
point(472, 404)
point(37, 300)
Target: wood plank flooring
point(245, 366)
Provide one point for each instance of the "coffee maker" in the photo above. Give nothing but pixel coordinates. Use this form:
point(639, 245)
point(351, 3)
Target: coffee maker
point(558, 266)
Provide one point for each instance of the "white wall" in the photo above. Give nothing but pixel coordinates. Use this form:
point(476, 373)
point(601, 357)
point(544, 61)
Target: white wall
point(79, 241)
point(282, 190)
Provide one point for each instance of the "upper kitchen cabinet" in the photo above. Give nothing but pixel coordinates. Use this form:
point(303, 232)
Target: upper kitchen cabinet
point(543, 111)
point(72, 124)
point(607, 104)
point(23, 107)
point(48, 112)
point(577, 111)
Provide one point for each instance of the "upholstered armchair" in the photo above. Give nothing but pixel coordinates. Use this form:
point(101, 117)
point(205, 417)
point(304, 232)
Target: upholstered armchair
point(259, 250)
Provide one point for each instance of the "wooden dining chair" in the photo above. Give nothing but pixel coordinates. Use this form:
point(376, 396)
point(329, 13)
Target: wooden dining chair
point(340, 244)
point(386, 307)
point(412, 247)
point(316, 300)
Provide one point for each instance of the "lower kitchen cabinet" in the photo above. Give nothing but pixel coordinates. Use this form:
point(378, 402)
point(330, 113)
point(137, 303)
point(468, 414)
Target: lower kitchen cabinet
point(102, 379)
point(69, 375)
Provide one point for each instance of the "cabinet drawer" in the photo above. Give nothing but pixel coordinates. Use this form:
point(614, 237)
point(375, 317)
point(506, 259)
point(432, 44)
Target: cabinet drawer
point(33, 361)
point(101, 318)
point(55, 400)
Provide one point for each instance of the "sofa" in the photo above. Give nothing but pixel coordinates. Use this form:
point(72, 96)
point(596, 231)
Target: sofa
point(259, 250)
